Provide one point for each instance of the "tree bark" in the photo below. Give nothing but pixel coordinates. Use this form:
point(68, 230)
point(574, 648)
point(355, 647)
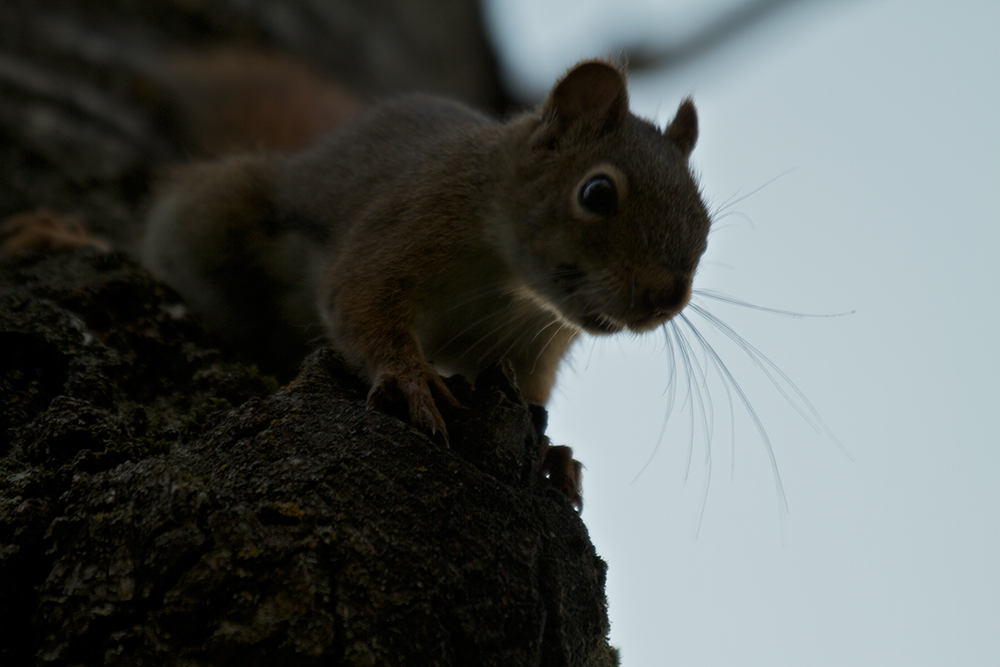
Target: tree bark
point(164, 503)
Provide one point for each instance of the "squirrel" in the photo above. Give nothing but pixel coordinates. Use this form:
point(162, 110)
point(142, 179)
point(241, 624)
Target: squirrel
point(425, 237)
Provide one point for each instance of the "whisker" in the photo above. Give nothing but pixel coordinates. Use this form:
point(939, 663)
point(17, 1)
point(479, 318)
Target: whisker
point(708, 421)
point(500, 288)
point(722, 216)
point(733, 202)
point(729, 399)
point(706, 398)
point(703, 397)
point(685, 351)
point(555, 320)
point(724, 204)
point(590, 356)
point(473, 325)
point(768, 367)
point(670, 392)
point(704, 496)
point(610, 299)
point(555, 333)
point(773, 372)
point(502, 333)
point(725, 298)
point(727, 376)
point(523, 331)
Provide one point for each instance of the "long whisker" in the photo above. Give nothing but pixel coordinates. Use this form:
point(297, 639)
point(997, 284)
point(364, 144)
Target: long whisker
point(555, 333)
point(685, 352)
point(499, 288)
point(722, 216)
point(708, 452)
point(708, 420)
point(729, 401)
point(701, 373)
point(687, 372)
point(727, 376)
point(496, 289)
point(733, 202)
point(670, 392)
point(501, 333)
point(771, 370)
point(524, 331)
point(766, 365)
point(709, 424)
point(555, 320)
point(725, 298)
point(590, 355)
point(473, 325)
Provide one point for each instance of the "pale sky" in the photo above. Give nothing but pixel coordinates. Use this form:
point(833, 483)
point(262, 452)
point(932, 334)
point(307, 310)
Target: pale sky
point(882, 119)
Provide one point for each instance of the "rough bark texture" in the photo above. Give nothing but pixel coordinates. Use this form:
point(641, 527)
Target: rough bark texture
point(162, 502)
point(161, 506)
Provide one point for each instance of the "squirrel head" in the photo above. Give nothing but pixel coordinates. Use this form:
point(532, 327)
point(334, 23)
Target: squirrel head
point(608, 221)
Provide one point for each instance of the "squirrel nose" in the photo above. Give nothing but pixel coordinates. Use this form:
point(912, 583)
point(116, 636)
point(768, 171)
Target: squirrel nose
point(669, 300)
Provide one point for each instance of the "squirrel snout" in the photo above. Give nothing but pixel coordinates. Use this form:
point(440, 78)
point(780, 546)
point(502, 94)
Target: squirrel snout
point(652, 306)
point(667, 301)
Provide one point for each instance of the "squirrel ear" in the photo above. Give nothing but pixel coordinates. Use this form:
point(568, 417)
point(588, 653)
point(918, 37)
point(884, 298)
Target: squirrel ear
point(683, 129)
point(592, 87)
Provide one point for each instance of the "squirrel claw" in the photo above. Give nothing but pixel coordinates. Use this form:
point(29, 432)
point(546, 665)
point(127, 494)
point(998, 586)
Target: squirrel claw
point(413, 385)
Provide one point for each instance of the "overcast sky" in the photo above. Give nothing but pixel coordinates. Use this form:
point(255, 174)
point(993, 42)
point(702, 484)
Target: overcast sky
point(876, 129)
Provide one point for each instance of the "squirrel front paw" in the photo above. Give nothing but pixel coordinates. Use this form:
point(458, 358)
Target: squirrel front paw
point(415, 384)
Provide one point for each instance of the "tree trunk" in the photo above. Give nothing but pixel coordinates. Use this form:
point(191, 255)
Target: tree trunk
point(161, 501)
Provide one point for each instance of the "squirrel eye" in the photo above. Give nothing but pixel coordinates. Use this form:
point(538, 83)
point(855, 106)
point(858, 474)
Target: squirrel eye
point(599, 195)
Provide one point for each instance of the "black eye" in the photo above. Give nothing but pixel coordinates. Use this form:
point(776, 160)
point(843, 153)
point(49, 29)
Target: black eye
point(599, 195)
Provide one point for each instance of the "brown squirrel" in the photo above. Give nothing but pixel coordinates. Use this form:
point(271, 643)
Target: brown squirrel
point(424, 236)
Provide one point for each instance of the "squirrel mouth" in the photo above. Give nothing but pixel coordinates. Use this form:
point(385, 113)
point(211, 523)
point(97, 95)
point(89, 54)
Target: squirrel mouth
point(599, 323)
point(650, 304)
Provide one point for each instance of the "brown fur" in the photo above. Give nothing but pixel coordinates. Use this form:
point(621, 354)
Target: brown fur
point(232, 99)
point(425, 236)
point(42, 229)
